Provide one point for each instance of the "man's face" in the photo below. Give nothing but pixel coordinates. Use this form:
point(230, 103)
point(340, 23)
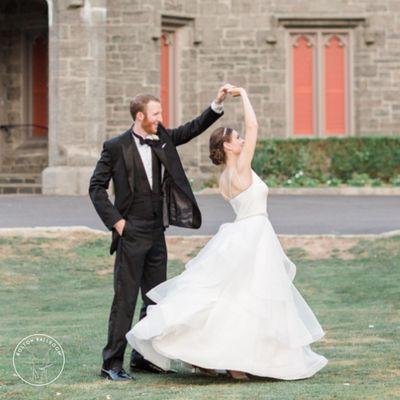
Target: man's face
point(152, 117)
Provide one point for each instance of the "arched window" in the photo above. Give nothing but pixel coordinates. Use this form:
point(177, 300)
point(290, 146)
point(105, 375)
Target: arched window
point(168, 81)
point(320, 83)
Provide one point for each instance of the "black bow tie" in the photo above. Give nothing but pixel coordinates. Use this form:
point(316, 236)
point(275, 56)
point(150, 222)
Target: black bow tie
point(142, 140)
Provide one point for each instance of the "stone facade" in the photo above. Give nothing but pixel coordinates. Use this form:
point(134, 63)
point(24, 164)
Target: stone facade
point(101, 53)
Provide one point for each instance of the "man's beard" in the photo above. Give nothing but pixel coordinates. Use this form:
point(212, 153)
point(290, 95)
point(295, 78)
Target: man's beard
point(148, 126)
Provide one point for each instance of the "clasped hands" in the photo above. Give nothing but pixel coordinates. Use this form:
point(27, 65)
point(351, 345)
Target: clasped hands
point(228, 89)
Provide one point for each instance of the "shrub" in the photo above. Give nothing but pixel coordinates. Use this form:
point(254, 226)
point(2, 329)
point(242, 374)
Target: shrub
point(331, 161)
point(395, 181)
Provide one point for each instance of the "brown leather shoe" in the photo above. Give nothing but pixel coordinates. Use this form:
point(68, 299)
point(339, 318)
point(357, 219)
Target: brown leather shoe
point(238, 375)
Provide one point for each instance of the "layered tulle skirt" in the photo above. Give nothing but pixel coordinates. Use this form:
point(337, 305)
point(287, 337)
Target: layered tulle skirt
point(233, 308)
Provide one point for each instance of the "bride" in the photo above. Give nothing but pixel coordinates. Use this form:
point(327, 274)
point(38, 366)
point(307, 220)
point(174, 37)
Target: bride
point(235, 307)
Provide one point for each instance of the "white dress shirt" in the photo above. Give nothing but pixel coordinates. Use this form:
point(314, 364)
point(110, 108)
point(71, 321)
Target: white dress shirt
point(145, 155)
point(145, 150)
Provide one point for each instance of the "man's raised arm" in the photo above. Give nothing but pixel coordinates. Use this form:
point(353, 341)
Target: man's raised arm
point(191, 129)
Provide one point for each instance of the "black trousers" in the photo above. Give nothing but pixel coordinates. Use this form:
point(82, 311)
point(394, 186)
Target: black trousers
point(140, 263)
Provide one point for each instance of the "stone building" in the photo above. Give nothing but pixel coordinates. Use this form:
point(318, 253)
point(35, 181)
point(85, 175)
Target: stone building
point(313, 68)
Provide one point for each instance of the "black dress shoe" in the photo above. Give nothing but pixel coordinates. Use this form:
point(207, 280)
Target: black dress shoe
point(116, 374)
point(141, 364)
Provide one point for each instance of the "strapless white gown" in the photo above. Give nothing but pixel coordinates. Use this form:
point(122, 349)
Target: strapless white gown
point(235, 306)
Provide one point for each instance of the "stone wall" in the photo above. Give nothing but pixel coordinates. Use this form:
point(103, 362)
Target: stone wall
point(14, 33)
point(77, 94)
point(11, 110)
point(234, 48)
point(102, 53)
point(16, 29)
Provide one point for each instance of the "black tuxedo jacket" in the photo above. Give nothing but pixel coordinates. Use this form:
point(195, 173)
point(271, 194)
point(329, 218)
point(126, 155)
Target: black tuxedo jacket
point(116, 163)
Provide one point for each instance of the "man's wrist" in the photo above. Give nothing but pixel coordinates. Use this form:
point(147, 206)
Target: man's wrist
point(217, 106)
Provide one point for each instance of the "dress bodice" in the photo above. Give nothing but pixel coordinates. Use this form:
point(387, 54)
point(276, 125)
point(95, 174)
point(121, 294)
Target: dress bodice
point(252, 201)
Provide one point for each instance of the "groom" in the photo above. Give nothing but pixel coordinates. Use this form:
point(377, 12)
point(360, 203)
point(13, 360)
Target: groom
point(151, 193)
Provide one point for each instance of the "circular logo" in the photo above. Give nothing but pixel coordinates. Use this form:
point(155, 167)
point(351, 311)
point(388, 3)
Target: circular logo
point(38, 359)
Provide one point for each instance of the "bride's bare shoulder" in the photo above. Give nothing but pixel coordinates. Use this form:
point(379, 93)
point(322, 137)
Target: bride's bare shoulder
point(232, 182)
point(241, 179)
point(223, 185)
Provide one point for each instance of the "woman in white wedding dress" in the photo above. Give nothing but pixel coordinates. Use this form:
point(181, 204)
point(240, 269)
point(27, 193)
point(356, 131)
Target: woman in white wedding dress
point(235, 307)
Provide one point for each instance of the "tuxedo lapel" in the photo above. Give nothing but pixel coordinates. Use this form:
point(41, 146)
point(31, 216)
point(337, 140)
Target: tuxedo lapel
point(169, 157)
point(127, 151)
point(160, 153)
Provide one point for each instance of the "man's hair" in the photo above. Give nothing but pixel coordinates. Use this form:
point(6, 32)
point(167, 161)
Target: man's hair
point(139, 103)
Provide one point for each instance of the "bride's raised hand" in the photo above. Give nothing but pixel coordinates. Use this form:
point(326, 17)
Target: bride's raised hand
point(236, 91)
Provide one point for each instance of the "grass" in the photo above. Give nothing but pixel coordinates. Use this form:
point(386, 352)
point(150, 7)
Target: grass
point(63, 288)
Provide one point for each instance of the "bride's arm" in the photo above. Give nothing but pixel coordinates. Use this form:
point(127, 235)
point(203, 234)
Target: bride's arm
point(251, 128)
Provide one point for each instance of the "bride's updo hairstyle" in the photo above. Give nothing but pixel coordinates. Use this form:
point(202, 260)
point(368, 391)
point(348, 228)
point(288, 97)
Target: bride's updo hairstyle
point(217, 140)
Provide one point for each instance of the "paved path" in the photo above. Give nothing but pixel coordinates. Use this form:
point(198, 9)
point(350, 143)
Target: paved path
point(288, 214)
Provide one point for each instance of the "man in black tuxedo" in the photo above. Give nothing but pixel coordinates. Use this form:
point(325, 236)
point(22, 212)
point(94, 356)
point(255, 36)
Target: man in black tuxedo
point(151, 193)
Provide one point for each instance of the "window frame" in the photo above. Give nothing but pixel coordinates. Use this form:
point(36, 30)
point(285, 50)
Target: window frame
point(172, 35)
point(319, 82)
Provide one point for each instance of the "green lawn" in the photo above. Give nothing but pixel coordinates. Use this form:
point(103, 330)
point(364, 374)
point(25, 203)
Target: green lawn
point(63, 288)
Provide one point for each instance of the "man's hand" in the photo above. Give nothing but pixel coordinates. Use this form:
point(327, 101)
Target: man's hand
point(222, 92)
point(119, 226)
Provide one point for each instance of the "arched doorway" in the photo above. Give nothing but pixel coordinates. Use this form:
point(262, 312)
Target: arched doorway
point(24, 101)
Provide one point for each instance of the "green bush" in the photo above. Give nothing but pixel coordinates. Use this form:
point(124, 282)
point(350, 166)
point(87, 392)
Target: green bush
point(376, 182)
point(357, 161)
point(272, 181)
point(334, 182)
point(359, 180)
point(395, 181)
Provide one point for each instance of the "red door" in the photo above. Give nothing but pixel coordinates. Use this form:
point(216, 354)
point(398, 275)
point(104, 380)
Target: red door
point(39, 85)
point(303, 86)
point(335, 87)
point(320, 82)
point(165, 73)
